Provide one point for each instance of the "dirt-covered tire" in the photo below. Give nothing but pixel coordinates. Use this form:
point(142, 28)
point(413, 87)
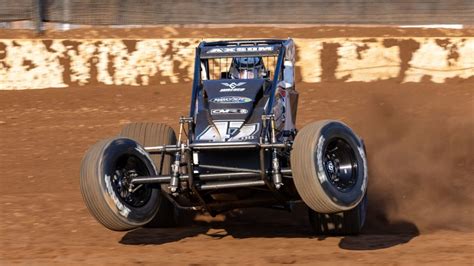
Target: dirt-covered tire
point(106, 169)
point(339, 224)
point(152, 134)
point(329, 167)
point(157, 134)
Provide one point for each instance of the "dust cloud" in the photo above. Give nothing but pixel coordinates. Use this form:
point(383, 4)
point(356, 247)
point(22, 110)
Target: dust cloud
point(421, 160)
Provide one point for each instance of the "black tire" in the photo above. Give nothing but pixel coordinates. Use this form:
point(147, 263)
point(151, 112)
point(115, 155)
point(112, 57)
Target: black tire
point(339, 224)
point(105, 169)
point(329, 167)
point(157, 134)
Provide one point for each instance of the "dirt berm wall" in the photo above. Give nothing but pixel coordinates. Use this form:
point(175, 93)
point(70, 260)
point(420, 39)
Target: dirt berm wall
point(53, 62)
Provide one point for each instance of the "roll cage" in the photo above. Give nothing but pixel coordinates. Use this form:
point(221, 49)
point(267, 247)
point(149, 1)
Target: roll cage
point(283, 50)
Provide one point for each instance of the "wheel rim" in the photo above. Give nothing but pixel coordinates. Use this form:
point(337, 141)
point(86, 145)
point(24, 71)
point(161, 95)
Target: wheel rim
point(128, 167)
point(340, 164)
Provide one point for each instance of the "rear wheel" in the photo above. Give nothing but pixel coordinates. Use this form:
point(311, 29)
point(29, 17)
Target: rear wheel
point(329, 167)
point(157, 134)
point(339, 224)
point(152, 134)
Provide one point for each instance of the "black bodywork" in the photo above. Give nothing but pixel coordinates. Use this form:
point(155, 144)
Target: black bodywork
point(239, 133)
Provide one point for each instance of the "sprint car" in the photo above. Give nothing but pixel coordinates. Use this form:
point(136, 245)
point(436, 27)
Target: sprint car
point(237, 148)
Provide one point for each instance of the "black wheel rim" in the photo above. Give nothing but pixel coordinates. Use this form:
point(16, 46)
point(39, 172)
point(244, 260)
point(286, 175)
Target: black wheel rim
point(340, 164)
point(127, 167)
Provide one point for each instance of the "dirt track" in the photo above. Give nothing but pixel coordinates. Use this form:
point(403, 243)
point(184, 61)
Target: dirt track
point(420, 143)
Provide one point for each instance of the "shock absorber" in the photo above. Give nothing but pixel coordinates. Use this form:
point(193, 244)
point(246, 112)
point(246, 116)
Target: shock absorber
point(276, 174)
point(174, 182)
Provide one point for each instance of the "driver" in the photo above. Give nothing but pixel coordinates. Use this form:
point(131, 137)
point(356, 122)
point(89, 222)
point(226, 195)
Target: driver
point(247, 68)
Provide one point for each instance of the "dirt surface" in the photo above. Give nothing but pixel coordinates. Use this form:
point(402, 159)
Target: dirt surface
point(419, 139)
point(231, 31)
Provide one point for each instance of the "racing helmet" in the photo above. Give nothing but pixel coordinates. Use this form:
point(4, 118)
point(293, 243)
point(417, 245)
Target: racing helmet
point(247, 68)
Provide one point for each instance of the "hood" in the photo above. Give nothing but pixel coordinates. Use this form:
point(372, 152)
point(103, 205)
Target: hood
point(232, 99)
point(229, 103)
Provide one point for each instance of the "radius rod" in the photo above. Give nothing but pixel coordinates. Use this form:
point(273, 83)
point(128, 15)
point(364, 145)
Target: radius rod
point(163, 179)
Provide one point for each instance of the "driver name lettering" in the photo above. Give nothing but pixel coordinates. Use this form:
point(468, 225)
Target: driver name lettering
point(240, 49)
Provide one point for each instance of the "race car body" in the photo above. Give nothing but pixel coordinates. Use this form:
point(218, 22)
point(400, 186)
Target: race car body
point(237, 148)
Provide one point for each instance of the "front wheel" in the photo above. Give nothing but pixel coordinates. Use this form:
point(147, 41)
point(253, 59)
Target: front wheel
point(106, 171)
point(157, 134)
point(329, 167)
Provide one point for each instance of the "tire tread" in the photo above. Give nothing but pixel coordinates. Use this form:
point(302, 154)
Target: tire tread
point(156, 134)
point(306, 180)
point(91, 189)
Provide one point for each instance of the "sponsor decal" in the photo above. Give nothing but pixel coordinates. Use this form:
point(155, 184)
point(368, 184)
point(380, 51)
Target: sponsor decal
point(230, 99)
point(247, 138)
point(240, 49)
point(228, 111)
point(231, 87)
point(123, 210)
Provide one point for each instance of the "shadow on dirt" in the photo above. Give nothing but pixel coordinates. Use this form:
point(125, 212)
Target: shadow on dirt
point(267, 223)
point(380, 233)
